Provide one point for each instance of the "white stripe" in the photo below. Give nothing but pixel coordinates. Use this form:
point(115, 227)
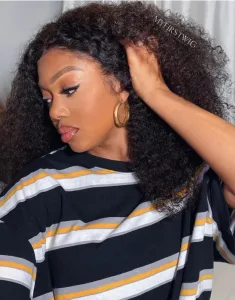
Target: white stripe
point(221, 242)
point(40, 253)
point(134, 289)
point(32, 289)
point(52, 152)
point(68, 184)
point(203, 286)
point(99, 235)
point(18, 276)
point(96, 235)
point(47, 296)
point(200, 231)
point(232, 226)
point(26, 192)
point(96, 180)
point(182, 259)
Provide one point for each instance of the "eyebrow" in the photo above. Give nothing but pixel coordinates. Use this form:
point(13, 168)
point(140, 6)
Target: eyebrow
point(63, 71)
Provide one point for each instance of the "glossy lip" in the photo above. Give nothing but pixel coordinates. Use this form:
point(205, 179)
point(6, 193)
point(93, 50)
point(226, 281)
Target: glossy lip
point(65, 129)
point(68, 133)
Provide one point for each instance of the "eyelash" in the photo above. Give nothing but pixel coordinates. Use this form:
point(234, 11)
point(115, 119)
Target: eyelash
point(66, 92)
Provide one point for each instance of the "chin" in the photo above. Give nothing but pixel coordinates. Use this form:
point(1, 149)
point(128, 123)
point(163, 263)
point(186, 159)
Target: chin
point(80, 147)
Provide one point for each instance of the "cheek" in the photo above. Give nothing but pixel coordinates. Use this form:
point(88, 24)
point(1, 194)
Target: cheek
point(95, 121)
point(96, 111)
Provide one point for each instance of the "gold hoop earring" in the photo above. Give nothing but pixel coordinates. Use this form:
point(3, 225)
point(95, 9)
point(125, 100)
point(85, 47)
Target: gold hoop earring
point(117, 122)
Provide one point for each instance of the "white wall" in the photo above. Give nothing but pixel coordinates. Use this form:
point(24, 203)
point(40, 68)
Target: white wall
point(19, 20)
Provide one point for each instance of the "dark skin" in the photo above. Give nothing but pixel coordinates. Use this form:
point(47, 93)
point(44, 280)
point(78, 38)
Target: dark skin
point(91, 108)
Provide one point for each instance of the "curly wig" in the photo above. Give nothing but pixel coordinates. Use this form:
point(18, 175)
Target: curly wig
point(161, 159)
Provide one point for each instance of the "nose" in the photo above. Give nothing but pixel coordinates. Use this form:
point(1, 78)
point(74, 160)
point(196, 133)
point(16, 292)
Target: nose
point(58, 110)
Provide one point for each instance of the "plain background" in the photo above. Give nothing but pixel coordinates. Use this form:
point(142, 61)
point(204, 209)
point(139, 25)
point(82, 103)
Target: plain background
point(19, 20)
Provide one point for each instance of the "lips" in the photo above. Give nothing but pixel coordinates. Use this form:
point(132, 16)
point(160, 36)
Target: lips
point(67, 133)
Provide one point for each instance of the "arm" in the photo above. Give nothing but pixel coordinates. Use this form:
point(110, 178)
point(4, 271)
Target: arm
point(210, 136)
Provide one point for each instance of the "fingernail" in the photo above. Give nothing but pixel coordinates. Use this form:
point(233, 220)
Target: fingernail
point(140, 44)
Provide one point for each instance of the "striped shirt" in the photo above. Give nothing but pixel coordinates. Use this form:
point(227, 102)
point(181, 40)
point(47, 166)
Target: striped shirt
point(85, 231)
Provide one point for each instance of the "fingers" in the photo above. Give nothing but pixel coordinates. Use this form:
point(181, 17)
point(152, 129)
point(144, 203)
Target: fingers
point(132, 48)
point(136, 48)
point(138, 53)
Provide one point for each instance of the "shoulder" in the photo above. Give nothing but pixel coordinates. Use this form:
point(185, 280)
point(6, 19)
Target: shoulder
point(58, 159)
point(47, 177)
point(36, 178)
point(40, 170)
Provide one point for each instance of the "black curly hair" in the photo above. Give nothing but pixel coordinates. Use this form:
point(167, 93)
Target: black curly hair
point(160, 157)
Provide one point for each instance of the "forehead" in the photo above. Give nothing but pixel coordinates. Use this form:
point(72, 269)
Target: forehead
point(56, 59)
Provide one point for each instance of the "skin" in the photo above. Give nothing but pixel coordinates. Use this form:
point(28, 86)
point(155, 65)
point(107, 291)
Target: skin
point(89, 108)
point(210, 136)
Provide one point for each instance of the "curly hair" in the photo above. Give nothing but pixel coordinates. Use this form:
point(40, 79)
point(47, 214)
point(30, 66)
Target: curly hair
point(161, 159)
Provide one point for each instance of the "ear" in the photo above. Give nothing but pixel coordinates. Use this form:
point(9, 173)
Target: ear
point(116, 87)
point(124, 96)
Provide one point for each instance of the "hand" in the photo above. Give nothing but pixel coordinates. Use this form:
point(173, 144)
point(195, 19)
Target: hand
point(144, 69)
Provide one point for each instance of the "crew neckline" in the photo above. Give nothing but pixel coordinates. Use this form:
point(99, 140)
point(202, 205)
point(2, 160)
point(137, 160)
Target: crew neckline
point(106, 163)
point(91, 160)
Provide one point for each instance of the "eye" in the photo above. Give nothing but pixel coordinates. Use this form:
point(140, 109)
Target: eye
point(70, 91)
point(48, 101)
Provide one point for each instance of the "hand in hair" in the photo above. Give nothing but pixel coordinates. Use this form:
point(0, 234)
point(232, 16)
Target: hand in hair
point(145, 70)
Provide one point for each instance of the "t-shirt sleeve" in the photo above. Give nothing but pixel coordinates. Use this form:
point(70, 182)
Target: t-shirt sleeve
point(223, 221)
point(29, 205)
point(17, 266)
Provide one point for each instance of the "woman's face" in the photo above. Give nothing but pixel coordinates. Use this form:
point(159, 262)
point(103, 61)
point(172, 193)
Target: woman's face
point(80, 103)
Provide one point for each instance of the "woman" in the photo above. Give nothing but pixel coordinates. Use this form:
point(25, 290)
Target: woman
point(125, 205)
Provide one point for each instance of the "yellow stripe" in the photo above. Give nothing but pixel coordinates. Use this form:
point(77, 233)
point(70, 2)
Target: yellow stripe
point(203, 221)
point(81, 173)
point(199, 222)
point(184, 247)
point(221, 250)
point(205, 277)
point(18, 266)
point(117, 284)
point(22, 185)
point(88, 226)
point(64, 230)
point(39, 244)
point(191, 292)
point(181, 193)
point(141, 211)
point(55, 176)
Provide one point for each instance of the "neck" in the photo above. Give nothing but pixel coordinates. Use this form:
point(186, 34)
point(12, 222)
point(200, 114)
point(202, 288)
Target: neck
point(114, 147)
